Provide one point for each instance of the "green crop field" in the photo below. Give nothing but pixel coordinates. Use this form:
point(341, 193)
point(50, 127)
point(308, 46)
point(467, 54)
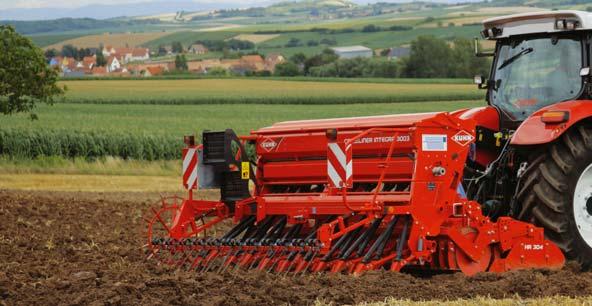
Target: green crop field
point(154, 132)
point(249, 91)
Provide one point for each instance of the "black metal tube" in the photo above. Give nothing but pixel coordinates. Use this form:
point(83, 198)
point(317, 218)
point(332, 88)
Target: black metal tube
point(381, 239)
point(360, 239)
point(337, 245)
point(239, 227)
point(389, 230)
point(279, 226)
point(403, 239)
point(368, 238)
point(349, 241)
point(260, 229)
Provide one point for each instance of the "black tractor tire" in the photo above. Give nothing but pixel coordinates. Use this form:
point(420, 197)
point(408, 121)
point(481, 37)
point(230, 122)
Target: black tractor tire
point(546, 191)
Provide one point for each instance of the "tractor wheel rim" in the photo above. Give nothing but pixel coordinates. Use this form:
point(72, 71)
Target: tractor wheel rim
point(582, 205)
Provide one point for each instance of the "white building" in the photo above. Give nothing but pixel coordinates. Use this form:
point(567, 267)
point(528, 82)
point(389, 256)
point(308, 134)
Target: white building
point(113, 64)
point(353, 52)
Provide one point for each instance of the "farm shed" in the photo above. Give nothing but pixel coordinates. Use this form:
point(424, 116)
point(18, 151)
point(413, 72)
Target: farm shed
point(353, 51)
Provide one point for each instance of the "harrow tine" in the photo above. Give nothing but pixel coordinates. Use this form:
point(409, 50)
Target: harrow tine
point(223, 261)
point(309, 262)
point(210, 261)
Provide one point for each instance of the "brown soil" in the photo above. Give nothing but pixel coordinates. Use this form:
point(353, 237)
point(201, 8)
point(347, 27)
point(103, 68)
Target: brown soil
point(84, 248)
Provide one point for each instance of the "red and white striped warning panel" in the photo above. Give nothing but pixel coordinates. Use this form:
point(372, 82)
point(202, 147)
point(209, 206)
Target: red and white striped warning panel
point(190, 156)
point(339, 165)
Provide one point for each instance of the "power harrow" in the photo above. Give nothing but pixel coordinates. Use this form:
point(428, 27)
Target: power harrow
point(342, 196)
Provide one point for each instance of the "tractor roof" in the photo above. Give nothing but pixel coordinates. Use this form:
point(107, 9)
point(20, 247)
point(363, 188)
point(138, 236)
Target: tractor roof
point(536, 22)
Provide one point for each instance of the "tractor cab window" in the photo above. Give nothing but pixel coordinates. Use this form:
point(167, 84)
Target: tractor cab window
point(533, 73)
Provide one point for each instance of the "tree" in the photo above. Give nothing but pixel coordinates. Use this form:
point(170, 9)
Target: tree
point(312, 43)
point(466, 64)
point(180, 62)
point(69, 51)
point(162, 51)
point(101, 60)
point(326, 57)
point(371, 28)
point(298, 58)
point(430, 57)
point(50, 53)
point(25, 78)
point(177, 47)
point(287, 69)
point(293, 42)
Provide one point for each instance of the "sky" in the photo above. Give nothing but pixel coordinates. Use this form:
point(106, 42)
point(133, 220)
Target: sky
point(12, 4)
point(19, 4)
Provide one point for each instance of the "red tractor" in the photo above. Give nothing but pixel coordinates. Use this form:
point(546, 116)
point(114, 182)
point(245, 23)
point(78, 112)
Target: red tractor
point(496, 188)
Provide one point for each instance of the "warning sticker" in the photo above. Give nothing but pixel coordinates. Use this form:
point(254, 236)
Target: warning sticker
point(245, 170)
point(434, 142)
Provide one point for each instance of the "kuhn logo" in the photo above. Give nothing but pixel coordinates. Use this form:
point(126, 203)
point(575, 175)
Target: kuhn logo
point(463, 138)
point(269, 144)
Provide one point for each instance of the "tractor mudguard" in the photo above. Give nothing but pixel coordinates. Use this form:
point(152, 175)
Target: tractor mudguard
point(486, 116)
point(534, 131)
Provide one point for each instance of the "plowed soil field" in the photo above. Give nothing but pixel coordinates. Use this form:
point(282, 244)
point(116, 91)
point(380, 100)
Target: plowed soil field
point(85, 248)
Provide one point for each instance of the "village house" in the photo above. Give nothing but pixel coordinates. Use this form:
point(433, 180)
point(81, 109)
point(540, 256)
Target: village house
point(113, 64)
point(252, 62)
point(229, 64)
point(153, 71)
point(56, 61)
point(88, 62)
point(140, 69)
point(140, 54)
point(108, 51)
point(99, 71)
point(272, 60)
point(198, 49)
point(196, 67)
point(126, 55)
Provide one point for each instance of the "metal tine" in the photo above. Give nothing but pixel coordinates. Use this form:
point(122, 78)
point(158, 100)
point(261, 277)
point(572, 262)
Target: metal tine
point(247, 225)
point(309, 262)
point(289, 237)
point(291, 257)
point(256, 235)
point(273, 235)
point(209, 264)
point(274, 262)
point(312, 235)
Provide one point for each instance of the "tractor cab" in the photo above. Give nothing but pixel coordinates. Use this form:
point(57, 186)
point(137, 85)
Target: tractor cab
point(540, 59)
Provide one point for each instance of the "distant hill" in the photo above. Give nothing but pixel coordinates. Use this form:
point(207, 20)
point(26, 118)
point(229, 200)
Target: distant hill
point(307, 5)
point(106, 11)
point(68, 24)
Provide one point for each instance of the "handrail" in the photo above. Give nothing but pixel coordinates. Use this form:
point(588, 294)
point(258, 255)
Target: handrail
point(350, 141)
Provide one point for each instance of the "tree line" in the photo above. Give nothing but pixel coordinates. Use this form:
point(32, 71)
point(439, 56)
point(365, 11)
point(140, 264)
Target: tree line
point(429, 57)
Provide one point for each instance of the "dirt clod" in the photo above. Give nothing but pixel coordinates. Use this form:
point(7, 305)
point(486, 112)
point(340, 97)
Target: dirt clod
point(83, 248)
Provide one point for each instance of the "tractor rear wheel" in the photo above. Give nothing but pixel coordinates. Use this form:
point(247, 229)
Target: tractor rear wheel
point(556, 194)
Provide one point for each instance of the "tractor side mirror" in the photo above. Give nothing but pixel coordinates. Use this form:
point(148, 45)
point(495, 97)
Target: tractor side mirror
point(585, 72)
point(478, 53)
point(479, 80)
